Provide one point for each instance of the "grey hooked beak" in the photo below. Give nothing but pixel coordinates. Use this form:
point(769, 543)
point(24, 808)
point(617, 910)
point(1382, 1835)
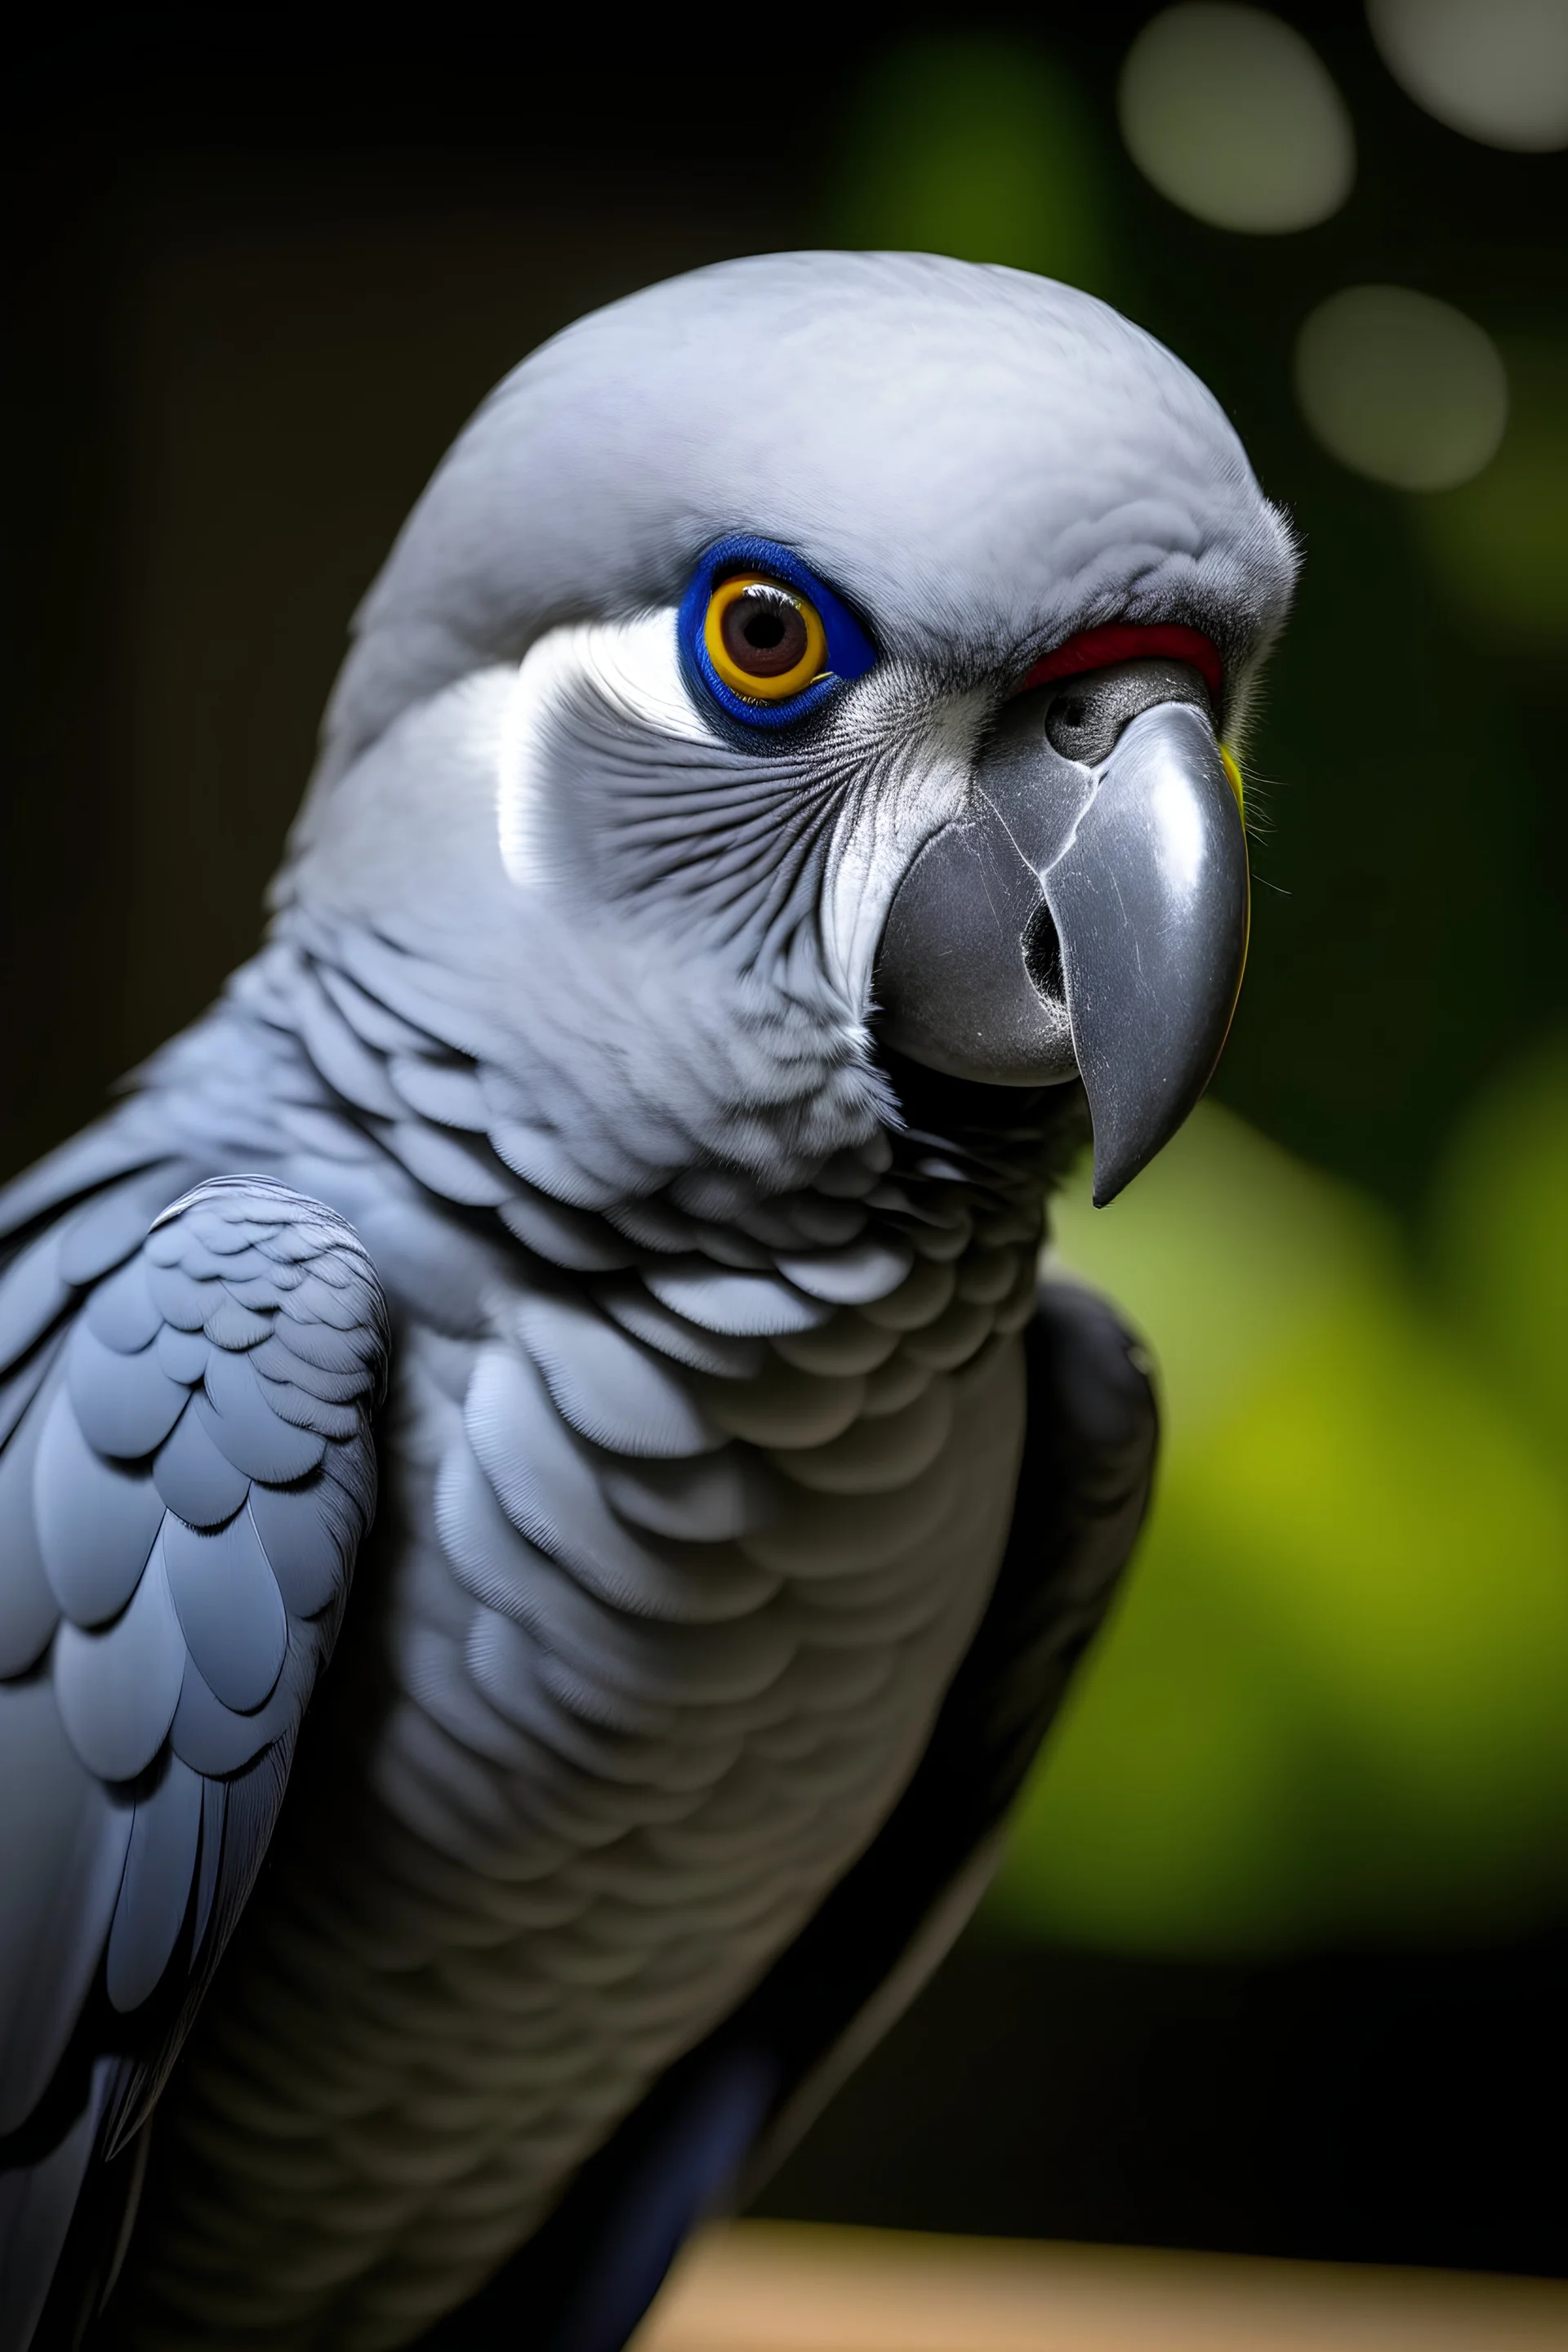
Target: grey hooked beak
point(1080, 921)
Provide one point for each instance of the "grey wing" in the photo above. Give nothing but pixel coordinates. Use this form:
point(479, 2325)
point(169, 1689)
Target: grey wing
point(186, 1471)
point(724, 2116)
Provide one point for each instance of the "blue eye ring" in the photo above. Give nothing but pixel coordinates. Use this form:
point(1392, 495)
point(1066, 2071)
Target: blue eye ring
point(849, 651)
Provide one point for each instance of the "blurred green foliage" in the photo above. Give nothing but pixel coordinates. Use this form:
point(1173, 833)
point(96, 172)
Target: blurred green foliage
point(978, 146)
point(1500, 545)
point(1333, 1700)
point(1335, 1696)
point(1411, 839)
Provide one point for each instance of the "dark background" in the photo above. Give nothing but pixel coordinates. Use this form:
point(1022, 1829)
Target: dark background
point(261, 269)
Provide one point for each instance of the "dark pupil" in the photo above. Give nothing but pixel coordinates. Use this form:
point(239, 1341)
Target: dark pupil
point(764, 635)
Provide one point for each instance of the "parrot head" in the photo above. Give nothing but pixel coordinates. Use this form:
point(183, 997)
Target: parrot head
point(811, 666)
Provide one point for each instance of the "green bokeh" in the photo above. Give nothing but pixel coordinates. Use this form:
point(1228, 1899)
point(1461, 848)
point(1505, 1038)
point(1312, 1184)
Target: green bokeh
point(1499, 544)
point(1499, 1234)
point(1412, 842)
point(1334, 1700)
point(977, 146)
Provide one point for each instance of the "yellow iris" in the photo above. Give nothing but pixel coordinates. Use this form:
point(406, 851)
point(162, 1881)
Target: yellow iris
point(764, 640)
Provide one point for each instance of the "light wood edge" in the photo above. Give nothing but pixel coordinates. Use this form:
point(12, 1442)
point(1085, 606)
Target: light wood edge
point(762, 2286)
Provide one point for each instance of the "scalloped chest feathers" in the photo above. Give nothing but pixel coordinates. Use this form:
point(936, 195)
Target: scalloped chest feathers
point(653, 1632)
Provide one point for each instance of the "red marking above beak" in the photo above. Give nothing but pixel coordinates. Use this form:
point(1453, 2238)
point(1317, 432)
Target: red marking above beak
point(1122, 641)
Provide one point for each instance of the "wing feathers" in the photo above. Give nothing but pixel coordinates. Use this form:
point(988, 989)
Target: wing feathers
point(125, 1406)
point(306, 1532)
point(183, 1355)
point(198, 1482)
point(155, 1892)
point(61, 1856)
point(243, 1426)
point(117, 1690)
point(179, 1297)
point(123, 1312)
point(96, 1520)
point(29, 1611)
point(213, 1738)
point(215, 1808)
point(102, 1235)
point(35, 1293)
point(181, 1503)
point(230, 1609)
point(87, 1162)
point(280, 1361)
point(36, 2208)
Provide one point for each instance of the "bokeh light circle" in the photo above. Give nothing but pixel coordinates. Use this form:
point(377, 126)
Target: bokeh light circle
point(1401, 387)
point(1495, 69)
point(1233, 116)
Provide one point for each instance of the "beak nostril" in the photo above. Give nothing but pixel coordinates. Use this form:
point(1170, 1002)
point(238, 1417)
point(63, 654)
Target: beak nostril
point(1043, 957)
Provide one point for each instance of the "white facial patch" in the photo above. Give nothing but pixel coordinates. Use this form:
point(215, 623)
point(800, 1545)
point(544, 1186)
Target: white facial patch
point(633, 667)
point(888, 823)
point(905, 759)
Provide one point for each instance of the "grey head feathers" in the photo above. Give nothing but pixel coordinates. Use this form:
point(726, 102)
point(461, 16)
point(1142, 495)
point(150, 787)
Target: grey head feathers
point(635, 916)
point(979, 458)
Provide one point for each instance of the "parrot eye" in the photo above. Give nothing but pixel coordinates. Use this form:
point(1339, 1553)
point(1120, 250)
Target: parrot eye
point(763, 639)
point(766, 639)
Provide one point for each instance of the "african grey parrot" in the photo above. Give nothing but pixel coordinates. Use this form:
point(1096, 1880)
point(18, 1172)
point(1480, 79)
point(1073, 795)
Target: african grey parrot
point(774, 787)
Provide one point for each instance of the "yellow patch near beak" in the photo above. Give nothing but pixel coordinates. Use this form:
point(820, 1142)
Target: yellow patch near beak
point(1227, 761)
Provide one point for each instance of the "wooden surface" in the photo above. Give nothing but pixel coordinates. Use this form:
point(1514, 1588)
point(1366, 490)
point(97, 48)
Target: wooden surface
point(771, 2286)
